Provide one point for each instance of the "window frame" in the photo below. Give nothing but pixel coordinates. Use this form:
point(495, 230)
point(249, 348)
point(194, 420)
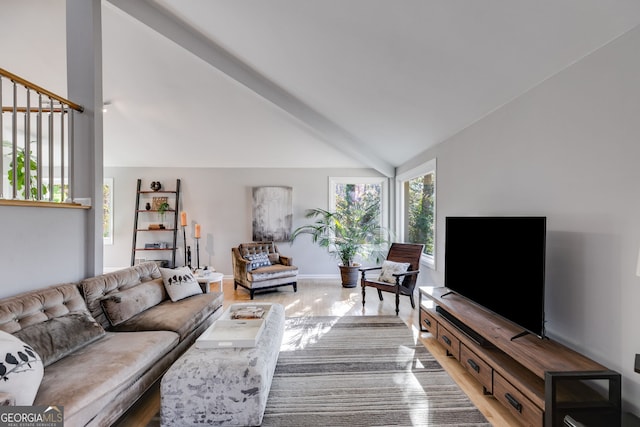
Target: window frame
point(425, 168)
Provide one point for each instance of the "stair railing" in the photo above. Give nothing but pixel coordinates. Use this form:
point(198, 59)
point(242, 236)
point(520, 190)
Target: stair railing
point(36, 135)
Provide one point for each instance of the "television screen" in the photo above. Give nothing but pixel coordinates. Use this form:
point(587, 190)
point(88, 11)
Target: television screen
point(498, 262)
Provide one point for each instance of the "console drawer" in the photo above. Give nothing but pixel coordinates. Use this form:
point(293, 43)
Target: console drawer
point(428, 322)
point(449, 341)
point(521, 407)
point(477, 367)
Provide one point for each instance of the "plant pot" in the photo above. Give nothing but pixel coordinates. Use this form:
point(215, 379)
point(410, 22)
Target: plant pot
point(349, 275)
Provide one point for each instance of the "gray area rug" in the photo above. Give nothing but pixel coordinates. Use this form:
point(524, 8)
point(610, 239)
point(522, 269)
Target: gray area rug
point(362, 371)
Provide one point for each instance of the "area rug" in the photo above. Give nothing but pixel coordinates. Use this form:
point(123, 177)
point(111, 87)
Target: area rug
point(362, 371)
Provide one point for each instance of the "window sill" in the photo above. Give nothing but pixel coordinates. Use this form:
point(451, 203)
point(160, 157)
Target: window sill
point(428, 261)
point(40, 204)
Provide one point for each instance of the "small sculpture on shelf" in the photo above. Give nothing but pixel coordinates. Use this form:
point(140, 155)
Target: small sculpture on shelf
point(156, 185)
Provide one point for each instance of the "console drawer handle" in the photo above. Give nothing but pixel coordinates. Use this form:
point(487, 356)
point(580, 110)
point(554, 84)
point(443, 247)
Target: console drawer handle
point(473, 365)
point(427, 322)
point(513, 402)
point(447, 340)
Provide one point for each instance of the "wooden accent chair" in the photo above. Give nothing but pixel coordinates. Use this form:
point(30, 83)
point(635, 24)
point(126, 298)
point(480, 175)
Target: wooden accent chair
point(395, 275)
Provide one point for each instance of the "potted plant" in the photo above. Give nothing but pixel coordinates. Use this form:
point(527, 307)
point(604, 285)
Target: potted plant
point(21, 171)
point(162, 210)
point(351, 233)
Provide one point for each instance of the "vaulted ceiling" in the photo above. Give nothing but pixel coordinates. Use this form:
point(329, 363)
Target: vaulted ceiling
point(308, 83)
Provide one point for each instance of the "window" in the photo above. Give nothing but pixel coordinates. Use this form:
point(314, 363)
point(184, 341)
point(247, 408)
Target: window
point(107, 214)
point(416, 191)
point(343, 189)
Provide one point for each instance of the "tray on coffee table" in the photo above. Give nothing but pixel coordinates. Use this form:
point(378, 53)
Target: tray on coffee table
point(229, 332)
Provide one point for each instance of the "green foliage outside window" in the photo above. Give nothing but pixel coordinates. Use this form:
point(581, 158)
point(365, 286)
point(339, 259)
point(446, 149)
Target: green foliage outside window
point(420, 211)
point(353, 231)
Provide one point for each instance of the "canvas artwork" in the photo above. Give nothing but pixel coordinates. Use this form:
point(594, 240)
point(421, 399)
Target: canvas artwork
point(272, 214)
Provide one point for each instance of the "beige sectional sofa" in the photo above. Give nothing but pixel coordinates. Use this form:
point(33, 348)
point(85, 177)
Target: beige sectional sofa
point(105, 340)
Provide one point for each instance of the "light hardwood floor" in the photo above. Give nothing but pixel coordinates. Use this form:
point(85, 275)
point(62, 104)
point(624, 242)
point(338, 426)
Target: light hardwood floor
point(329, 298)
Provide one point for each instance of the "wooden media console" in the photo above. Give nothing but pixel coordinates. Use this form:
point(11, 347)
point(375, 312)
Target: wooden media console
point(540, 381)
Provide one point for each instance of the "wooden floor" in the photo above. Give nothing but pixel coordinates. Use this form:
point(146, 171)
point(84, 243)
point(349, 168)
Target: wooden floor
point(329, 298)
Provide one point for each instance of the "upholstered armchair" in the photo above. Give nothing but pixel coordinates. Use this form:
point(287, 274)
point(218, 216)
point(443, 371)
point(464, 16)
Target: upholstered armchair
point(259, 266)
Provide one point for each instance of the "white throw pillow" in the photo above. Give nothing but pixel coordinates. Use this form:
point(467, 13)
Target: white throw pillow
point(21, 369)
point(179, 283)
point(389, 268)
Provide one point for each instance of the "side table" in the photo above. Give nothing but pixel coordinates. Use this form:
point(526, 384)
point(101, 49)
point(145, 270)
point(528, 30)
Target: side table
point(213, 277)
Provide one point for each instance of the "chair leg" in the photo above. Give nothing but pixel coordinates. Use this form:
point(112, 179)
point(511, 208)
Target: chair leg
point(397, 304)
point(380, 295)
point(295, 286)
point(413, 303)
point(235, 285)
point(363, 292)
point(251, 293)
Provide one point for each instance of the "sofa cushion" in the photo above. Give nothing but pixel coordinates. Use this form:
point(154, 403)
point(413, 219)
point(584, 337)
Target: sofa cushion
point(96, 288)
point(257, 261)
point(123, 305)
point(60, 336)
point(389, 268)
point(257, 248)
point(180, 283)
point(275, 271)
point(21, 369)
point(181, 316)
point(94, 376)
point(38, 306)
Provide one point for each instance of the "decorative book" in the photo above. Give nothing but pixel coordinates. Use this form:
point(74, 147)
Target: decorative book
point(246, 312)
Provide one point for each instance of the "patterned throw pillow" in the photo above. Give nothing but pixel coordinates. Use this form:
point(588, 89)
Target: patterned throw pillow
point(180, 283)
point(389, 268)
point(21, 369)
point(257, 260)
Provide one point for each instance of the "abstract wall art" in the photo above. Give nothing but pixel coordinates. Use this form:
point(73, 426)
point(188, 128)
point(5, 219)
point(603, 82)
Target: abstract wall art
point(272, 213)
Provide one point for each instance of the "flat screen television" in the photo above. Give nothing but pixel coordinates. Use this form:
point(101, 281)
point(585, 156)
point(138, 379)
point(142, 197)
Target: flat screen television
point(499, 263)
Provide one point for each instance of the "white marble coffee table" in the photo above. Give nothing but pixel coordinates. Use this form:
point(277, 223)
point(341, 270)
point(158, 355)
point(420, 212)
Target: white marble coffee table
point(226, 386)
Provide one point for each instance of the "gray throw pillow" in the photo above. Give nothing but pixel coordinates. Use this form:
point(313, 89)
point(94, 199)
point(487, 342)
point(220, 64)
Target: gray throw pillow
point(257, 260)
point(122, 306)
point(60, 336)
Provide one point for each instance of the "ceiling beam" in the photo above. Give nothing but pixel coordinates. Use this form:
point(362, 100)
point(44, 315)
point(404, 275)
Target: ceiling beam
point(181, 33)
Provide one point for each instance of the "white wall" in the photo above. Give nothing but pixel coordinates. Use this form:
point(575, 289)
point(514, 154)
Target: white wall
point(569, 149)
point(220, 200)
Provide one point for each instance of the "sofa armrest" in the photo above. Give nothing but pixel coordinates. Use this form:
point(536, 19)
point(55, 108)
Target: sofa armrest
point(7, 399)
point(286, 260)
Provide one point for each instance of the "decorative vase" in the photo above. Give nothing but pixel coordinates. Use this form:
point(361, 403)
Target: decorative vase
point(147, 206)
point(349, 275)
